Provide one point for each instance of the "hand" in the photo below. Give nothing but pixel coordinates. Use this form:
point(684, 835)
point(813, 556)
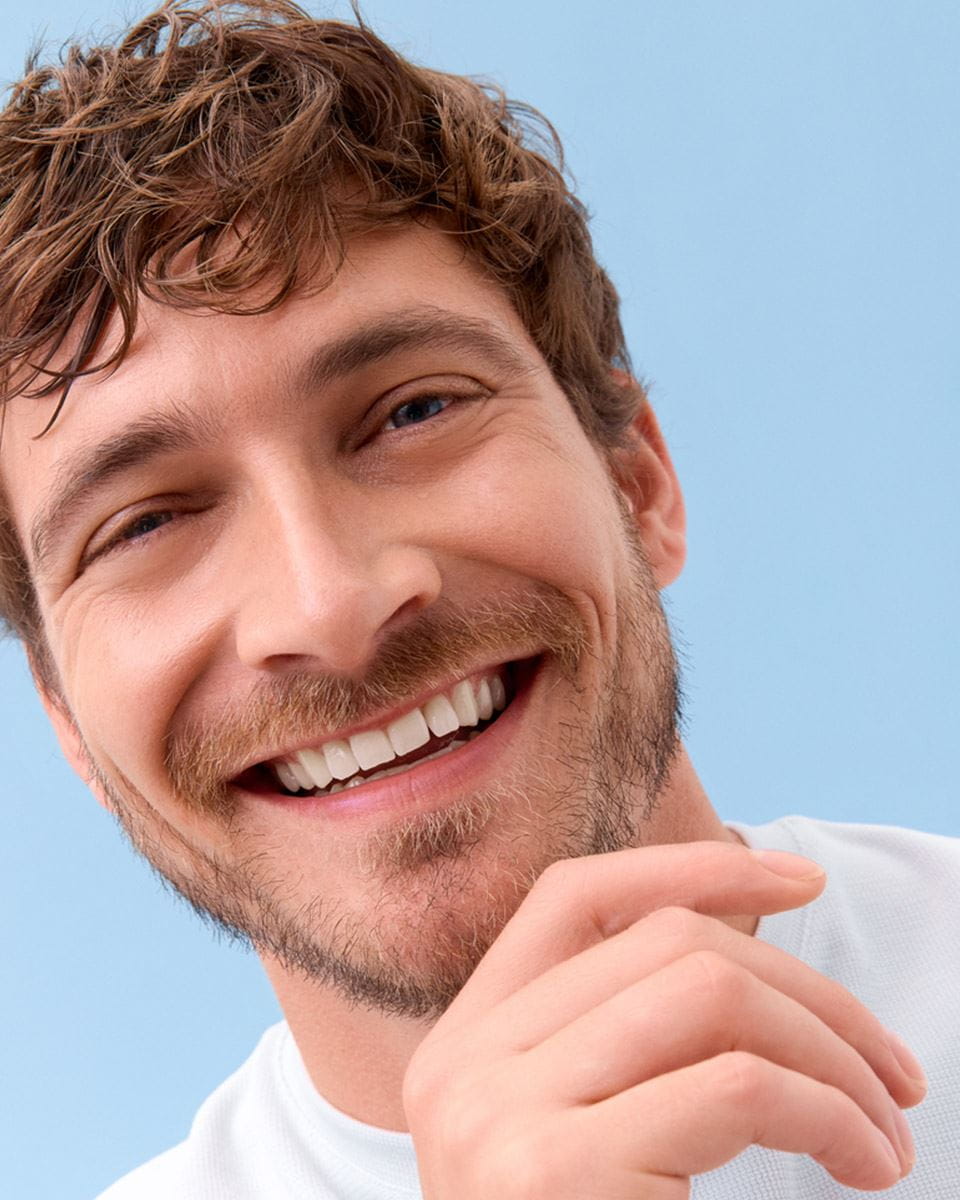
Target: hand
point(618, 1038)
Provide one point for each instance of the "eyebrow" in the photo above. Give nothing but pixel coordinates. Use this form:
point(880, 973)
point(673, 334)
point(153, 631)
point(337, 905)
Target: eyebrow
point(78, 479)
point(156, 435)
point(424, 327)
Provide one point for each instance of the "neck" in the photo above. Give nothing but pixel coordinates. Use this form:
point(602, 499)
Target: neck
point(357, 1057)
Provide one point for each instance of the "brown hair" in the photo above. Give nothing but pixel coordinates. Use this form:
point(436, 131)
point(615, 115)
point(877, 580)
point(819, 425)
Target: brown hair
point(250, 118)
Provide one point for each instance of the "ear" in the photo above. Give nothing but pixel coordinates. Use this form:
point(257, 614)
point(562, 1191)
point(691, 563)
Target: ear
point(68, 735)
point(644, 473)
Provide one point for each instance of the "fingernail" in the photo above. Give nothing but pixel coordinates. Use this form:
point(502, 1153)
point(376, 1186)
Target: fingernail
point(905, 1057)
point(906, 1137)
point(789, 866)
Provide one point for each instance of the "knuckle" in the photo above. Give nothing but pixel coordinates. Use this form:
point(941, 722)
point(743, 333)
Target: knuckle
point(842, 1111)
point(557, 877)
point(415, 1093)
point(424, 1080)
point(845, 1136)
point(466, 1127)
point(525, 1167)
point(853, 1021)
point(724, 983)
point(677, 927)
point(489, 1154)
point(740, 1078)
point(562, 893)
point(459, 1110)
point(460, 1127)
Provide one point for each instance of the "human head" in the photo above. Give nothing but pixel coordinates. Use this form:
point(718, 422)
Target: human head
point(220, 152)
point(447, 560)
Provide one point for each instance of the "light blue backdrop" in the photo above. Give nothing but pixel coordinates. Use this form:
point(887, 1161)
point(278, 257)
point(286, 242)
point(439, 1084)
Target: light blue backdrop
point(776, 189)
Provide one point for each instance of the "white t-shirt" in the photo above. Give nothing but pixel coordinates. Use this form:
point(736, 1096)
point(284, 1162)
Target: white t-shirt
point(886, 927)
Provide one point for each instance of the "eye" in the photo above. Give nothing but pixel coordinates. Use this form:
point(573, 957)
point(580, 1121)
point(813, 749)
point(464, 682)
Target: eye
point(416, 411)
point(137, 529)
point(141, 526)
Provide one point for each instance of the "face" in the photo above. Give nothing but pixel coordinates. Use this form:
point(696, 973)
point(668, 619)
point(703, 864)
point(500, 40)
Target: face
point(352, 626)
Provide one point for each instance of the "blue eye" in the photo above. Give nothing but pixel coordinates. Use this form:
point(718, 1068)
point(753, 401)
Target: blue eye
point(136, 530)
point(414, 412)
point(143, 525)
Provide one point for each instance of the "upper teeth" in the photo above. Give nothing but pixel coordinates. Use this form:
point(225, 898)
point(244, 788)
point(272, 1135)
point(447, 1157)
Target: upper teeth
point(467, 703)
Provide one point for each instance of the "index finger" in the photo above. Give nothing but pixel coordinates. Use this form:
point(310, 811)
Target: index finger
point(581, 901)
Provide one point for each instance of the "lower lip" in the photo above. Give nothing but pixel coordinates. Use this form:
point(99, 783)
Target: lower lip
point(427, 785)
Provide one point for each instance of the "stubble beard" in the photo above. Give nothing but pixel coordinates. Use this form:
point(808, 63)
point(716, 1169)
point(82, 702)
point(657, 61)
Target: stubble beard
point(439, 886)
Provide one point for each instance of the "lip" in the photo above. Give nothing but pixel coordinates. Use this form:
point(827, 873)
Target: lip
point(381, 719)
point(426, 785)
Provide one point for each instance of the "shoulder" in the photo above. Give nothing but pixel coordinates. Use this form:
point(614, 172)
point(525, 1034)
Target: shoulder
point(885, 925)
point(878, 865)
point(204, 1166)
point(160, 1178)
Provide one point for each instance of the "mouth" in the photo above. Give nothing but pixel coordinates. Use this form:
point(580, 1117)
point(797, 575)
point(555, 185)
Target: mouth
point(438, 727)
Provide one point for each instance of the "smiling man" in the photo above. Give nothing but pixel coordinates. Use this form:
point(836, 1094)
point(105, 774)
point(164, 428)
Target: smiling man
point(334, 525)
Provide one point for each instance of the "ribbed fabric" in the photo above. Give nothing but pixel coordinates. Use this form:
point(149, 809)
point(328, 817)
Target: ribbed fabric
point(886, 927)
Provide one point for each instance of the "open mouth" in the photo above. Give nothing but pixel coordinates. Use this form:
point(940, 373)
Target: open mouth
point(440, 726)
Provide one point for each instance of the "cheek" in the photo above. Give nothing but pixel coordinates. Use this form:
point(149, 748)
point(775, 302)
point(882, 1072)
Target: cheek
point(524, 505)
point(122, 667)
point(538, 508)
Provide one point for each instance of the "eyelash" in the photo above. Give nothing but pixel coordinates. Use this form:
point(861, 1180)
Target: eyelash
point(126, 534)
point(420, 400)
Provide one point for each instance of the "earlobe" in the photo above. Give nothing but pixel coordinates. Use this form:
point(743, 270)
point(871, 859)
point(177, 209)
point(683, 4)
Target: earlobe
point(648, 482)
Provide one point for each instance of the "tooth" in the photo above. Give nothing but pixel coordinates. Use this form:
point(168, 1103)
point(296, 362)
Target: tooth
point(287, 777)
point(498, 692)
point(464, 704)
point(340, 759)
point(371, 748)
point(313, 762)
point(301, 774)
point(408, 732)
point(356, 781)
point(440, 715)
point(484, 701)
point(454, 745)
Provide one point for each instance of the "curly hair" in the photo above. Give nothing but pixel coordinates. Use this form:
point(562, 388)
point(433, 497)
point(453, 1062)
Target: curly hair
point(228, 131)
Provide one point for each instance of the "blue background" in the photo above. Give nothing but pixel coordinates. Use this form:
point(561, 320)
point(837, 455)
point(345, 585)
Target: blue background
point(776, 190)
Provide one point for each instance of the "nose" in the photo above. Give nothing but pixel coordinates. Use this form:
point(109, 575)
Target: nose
point(323, 584)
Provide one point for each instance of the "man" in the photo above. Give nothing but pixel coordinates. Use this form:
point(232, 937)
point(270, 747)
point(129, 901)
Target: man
point(334, 528)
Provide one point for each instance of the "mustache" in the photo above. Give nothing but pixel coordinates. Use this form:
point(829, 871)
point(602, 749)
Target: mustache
point(203, 756)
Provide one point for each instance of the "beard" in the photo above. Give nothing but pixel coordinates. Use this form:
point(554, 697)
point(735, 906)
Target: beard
point(435, 888)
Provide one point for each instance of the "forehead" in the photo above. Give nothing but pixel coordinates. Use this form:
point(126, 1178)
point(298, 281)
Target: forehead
point(207, 364)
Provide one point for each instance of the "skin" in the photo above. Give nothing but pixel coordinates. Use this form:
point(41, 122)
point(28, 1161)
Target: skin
point(302, 538)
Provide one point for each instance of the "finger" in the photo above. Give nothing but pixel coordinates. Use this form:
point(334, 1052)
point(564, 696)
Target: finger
point(581, 901)
point(698, 1118)
point(693, 1009)
point(580, 984)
